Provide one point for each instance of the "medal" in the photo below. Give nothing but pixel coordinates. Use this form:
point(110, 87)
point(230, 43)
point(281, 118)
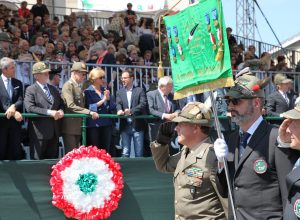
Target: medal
point(297, 208)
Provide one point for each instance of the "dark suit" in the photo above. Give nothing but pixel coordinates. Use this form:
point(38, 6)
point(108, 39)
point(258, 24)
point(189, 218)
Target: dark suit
point(10, 129)
point(28, 37)
point(293, 201)
point(156, 107)
point(276, 104)
point(134, 127)
point(44, 131)
point(257, 196)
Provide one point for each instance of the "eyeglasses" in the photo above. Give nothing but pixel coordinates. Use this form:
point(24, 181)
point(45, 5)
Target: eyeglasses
point(102, 77)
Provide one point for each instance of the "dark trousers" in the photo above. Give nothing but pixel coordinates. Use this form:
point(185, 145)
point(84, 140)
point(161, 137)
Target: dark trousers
point(10, 140)
point(100, 137)
point(43, 149)
point(71, 141)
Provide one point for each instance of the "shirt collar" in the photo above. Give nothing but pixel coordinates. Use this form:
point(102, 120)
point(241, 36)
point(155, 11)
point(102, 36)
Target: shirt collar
point(4, 78)
point(255, 125)
point(41, 85)
point(130, 89)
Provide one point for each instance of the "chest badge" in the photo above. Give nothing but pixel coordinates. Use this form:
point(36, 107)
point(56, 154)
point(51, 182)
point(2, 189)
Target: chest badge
point(194, 172)
point(260, 166)
point(297, 208)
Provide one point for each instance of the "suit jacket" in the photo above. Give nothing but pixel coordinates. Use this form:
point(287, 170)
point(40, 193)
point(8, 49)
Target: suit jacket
point(73, 99)
point(182, 102)
point(138, 106)
point(17, 95)
point(156, 103)
point(91, 99)
point(293, 201)
point(254, 194)
point(26, 38)
point(36, 101)
point(276, 104)
point(196, 195)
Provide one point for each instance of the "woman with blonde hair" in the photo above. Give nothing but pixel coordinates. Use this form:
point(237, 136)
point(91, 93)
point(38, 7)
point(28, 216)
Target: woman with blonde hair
point(98, 99)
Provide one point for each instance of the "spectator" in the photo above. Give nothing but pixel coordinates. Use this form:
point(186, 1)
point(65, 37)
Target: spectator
point(11, 104)
point(73, 98)
point(23, 68)
point(133, 57)
point(71, 50)
point(230, 37)
point(251, 49)
point(25, 32)
point(131, 101)
point(42, 98)
point(98, 99)
point(49, 51)
point(103, 57)
point(148, 59)
point(5, 41)
point(23, 11)
point(162, 105)
point(132, 36)
point(278, 101)
point(39, 46)
point(39, 9)
point(130, 14)
point(54, 78)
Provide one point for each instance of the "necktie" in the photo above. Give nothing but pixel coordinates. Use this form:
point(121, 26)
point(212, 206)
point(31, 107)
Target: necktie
point(167, 110)
point(286, 98)
point(297, 164)
point(8, 88)
point(48, 94)
point(243, 143)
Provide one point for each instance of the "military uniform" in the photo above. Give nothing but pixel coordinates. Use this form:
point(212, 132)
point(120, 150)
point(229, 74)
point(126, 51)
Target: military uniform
point(292, 208)
point(196, 196)
point(73, 98)
point(194, 172)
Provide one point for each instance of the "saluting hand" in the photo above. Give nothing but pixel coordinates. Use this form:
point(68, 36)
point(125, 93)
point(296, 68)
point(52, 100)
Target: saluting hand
point(283, 132)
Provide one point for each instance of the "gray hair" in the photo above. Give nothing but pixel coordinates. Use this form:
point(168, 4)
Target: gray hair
point(6, 62)
point(99, 45)
point(165, 80)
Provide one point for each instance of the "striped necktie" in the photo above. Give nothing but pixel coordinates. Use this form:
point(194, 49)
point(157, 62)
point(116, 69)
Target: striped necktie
point(48, 94)
point(8, 88)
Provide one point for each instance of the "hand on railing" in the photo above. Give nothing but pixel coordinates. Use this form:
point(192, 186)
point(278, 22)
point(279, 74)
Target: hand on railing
point(18, 116)
point(56, 114)
point(10, 112)
point(94, 115)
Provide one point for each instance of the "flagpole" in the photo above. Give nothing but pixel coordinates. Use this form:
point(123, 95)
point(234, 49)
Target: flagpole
point(220, 135)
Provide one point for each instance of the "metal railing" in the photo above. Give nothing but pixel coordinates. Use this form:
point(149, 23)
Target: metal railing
point(293, 56)
point(143, 75)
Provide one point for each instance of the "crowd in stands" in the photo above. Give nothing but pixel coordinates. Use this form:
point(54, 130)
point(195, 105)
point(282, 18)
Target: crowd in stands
point(30, 35)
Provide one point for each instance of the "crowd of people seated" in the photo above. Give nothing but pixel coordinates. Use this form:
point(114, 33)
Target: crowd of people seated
point(30, 35)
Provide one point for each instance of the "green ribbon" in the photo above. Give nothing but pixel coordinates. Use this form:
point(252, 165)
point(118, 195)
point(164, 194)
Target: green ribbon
point(87, 182)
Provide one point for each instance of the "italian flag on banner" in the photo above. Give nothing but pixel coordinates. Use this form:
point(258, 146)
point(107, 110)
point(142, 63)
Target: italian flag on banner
point(199, 51)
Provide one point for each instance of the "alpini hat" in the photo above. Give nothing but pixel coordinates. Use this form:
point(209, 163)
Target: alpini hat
point(195, 113)
point(40, 67)
point(294, 113)
point(279, 78)
point(5, 37)
point(247, 86)
point(79, 66)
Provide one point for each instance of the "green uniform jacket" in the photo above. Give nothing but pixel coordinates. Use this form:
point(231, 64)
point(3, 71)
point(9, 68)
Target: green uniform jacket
point(196, 195)
point(73, 98)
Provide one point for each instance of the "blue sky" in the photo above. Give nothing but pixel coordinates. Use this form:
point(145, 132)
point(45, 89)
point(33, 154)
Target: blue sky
point(283, 15)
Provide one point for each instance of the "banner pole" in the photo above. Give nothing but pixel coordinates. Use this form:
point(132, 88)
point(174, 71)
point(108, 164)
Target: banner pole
point(220, 135)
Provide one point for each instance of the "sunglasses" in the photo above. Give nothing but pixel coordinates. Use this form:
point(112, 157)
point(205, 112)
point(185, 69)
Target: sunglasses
point(102, 77)
point(233, 101)
point(236, 101)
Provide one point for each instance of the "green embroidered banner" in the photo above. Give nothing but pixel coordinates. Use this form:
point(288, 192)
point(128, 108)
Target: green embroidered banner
point(199, 52)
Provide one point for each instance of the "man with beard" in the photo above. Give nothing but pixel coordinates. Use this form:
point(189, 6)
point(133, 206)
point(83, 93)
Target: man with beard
point(257, 168)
